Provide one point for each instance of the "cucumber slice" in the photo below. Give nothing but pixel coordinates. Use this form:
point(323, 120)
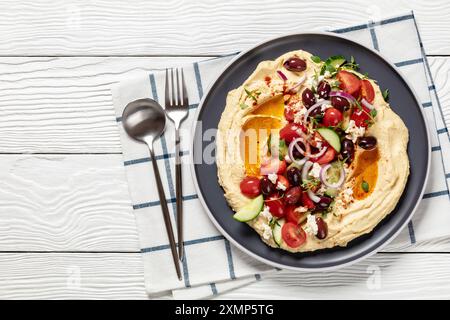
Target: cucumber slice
point(331, 192)
point(331, 137)
point(335, 61)
point(276, 231)
point(251, 210)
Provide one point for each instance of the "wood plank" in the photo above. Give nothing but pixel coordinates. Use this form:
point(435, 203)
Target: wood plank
point(71, 276)
point(383, 276)
point(63, 105)
point(58, 105)
point(183, 27)
point(65, 203)
point(113, 276)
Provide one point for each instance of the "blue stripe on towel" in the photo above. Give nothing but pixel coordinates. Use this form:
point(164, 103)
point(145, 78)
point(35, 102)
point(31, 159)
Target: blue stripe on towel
point(435, 194)
point(186, 243)
point(199, 80)
point(213, 289)
point(408, 62)
point(427, 104)
point(158, 157)
point(437, 148)
point(396, 19)
point(412, 235)
point(373, 35)
point(350, 29)
point(230, 259)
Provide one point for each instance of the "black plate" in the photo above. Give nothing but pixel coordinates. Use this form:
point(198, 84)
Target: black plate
point(403, 102)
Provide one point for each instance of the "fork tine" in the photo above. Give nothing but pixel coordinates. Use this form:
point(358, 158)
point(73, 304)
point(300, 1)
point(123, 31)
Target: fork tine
point(167, 93)
point(178, 88)
point(174, 102)
point(185, 95)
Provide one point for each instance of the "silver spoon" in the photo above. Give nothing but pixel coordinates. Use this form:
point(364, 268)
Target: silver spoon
point(144, 120)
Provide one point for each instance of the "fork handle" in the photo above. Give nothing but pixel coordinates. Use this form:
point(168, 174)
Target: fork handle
point(179, 194)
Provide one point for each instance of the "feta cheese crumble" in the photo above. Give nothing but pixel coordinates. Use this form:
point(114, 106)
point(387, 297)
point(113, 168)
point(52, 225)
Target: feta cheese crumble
point(266, 213)
point(315, 170)
point(273, 177)
point(311, 227)
point(299, 115)
point(347, 195)
point(267, 231)
point(353, 131)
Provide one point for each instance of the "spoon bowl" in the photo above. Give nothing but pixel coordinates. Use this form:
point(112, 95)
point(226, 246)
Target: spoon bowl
point(144, 120)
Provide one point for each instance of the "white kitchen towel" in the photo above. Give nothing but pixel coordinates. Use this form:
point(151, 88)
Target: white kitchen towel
point(212, 265)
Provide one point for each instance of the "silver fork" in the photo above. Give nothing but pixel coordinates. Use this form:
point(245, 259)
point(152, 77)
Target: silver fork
point(177, 108)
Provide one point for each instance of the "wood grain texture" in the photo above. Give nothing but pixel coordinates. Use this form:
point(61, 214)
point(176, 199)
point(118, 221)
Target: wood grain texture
point(120, 275)
point(65, 203)
point(160, 27)
point(54, 105)
point(64, 105)
point(440, 68)
point(383, 276)
point(71, 276)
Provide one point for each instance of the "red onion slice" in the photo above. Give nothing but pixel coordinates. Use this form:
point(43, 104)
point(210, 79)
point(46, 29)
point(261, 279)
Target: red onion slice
point(318, 154)
point(281, 75)
point(305, 172)
point(313, 196)
point(367, 104)
point(314, 106)
point(298, 84)
point(293, 144)
point(323, 177)
point(351, 99)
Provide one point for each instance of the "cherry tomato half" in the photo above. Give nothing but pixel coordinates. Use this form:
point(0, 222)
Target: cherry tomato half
point(290, 131)
point(293, 235)
point(250, 187)
point(284, 181)
point(292, 215)
point(273, 165)
point(360, 117)
point(327, 157)
point(276, 207)
point(367, 91)
point(349, 82)
point(306, 201)
point(332, 117)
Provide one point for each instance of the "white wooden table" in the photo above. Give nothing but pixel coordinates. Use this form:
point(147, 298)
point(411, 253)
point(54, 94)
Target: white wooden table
point(66, 225)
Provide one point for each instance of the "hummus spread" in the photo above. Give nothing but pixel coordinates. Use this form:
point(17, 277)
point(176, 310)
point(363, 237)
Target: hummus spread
point(347, 162)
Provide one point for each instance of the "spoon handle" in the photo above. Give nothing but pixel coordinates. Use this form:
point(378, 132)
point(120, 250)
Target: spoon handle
point(165, 211)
